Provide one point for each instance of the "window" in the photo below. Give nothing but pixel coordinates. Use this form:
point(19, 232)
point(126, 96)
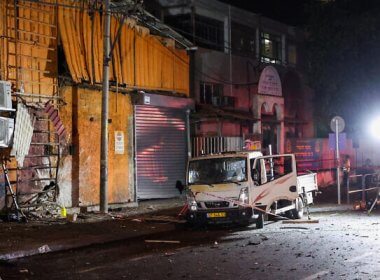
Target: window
point(292, 54)
point(208, 33)
point(210, 93)
point(272, 168)
point(242, 39)
point(218, 170)
point(270, 48)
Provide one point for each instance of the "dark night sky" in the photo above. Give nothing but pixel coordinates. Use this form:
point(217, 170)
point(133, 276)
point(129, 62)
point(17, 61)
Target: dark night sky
point(288, 11)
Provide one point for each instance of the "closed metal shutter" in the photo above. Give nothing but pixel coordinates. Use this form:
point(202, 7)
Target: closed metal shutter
point(161, 151)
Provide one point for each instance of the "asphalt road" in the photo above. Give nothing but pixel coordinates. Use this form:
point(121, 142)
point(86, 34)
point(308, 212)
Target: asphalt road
point(343, 245)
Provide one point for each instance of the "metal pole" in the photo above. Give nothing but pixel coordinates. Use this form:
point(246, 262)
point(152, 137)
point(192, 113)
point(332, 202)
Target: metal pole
point(230, 45)
point(271, 161)
point(337, 158)
point(348, 189)
point(104, 124)
point(188, 138)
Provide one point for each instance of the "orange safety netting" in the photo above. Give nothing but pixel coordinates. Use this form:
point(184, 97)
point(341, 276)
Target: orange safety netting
point(28, 49)
point(139, 59)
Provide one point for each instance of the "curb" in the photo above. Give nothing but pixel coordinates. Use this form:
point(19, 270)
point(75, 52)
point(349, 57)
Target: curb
point(44, 249)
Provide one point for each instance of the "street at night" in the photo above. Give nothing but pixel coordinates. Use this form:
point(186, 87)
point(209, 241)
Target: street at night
point(188, 139)
point(343, 245)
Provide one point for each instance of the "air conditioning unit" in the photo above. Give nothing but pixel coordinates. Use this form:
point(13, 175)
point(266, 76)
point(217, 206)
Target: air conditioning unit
point(5, 95)
point(7, 126)
point(228, 101)
point(216, 101)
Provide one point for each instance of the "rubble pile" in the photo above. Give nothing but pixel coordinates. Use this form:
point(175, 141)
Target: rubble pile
point(43, 205)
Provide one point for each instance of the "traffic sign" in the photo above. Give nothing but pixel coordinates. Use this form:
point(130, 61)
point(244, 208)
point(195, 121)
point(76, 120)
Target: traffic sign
point(337, 123)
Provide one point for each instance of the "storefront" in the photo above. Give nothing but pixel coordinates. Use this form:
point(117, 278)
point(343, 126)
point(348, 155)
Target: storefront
point(160, 144)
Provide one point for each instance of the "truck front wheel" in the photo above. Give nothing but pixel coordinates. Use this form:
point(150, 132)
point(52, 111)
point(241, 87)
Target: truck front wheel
point(299, 208)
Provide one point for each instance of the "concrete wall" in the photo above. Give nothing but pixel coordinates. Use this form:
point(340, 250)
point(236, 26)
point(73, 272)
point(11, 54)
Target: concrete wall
point(218, 67)
point(79, 171)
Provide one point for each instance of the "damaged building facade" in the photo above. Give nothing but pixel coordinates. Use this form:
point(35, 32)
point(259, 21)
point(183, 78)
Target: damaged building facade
point(52, 54)
point(248, 76)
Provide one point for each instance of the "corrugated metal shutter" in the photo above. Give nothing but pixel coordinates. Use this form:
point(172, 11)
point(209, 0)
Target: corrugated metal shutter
point(161, 151)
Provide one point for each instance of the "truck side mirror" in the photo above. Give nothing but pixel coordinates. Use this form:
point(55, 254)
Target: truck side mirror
point(179, 186)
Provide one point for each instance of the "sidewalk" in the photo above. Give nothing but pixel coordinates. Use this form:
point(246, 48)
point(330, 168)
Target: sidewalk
point(36, 237)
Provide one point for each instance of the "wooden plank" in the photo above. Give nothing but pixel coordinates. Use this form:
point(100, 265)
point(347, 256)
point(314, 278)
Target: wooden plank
point(163, 241)
point(37, 34)
point(36, 22)
point(300, 222)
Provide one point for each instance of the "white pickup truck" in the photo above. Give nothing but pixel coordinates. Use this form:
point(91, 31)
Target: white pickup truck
point(243, 187)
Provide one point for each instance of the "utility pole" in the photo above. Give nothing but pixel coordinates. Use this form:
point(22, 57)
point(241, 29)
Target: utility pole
point(104, 124)
point(337, 125)
point(337, 158)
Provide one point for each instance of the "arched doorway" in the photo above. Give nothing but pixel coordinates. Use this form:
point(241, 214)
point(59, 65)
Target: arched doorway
point(270, 127)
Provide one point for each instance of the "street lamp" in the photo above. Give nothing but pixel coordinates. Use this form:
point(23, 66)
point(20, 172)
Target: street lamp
point(374, 128)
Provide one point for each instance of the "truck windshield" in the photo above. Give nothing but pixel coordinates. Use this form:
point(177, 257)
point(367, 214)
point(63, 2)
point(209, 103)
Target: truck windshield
point(218, 170)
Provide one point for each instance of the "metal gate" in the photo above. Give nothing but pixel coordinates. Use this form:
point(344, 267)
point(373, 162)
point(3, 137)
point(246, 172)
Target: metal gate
point(161, 151)
point(215, 145)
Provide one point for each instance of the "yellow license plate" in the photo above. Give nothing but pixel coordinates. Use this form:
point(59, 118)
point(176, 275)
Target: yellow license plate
point(216, 215)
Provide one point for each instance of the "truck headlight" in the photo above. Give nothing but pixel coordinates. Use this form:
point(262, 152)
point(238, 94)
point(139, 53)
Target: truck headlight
point(191, 201)
point(243, 196)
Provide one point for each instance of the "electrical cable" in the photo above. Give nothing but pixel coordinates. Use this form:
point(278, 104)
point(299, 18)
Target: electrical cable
point(137, 7)
point(225, 82)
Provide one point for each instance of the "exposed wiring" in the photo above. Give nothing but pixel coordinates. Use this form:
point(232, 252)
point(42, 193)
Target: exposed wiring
point(140, 15)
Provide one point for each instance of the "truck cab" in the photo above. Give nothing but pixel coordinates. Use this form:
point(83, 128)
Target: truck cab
point(242, 187)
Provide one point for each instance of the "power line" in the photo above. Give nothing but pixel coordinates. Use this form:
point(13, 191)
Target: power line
point(139, 15)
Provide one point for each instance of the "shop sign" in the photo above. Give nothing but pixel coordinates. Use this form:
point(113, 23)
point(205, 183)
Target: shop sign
point(270, 82)
point(252, 142)
point(119, 142)
point(308, 152)
point(146, 100)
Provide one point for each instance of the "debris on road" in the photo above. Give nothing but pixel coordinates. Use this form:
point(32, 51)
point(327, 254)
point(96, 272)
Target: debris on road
point(300, 222)
point(258, 241)
point(254, 243)
point(72, 218)
point(44, 249)
point(117, 216)
point(215, 245)
point(168, 254)
point(164, 219)
point(263, 237)
point(294, 228)
point(163, 241)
